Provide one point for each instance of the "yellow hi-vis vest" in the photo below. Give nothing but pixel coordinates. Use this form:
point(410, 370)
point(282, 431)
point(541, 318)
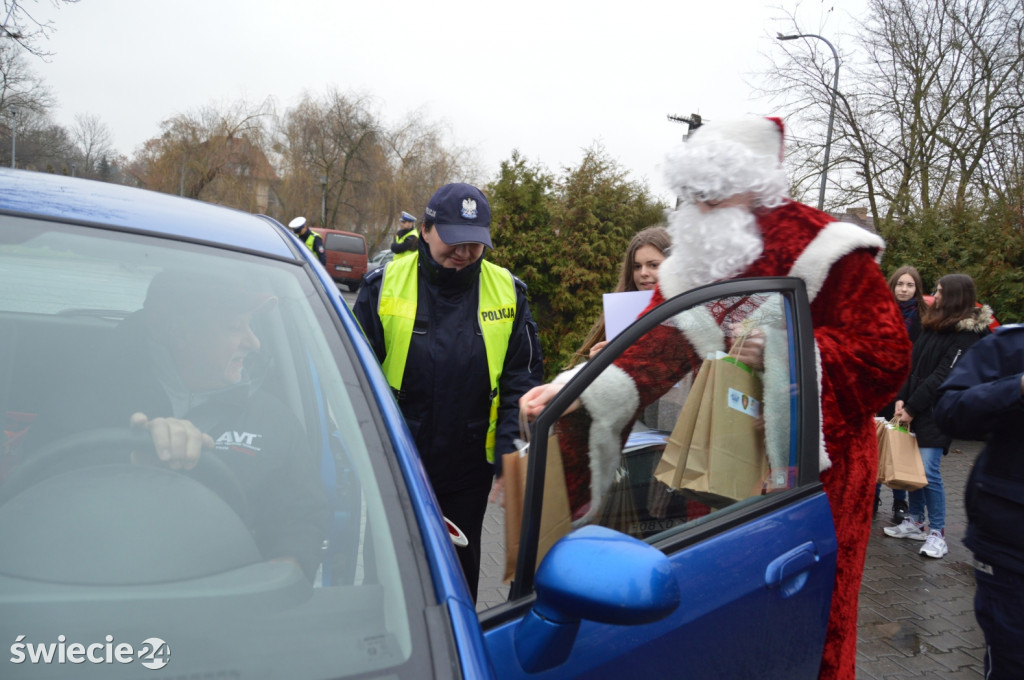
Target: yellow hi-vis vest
point(310, 240)
point(399, 239)
point(497, 313)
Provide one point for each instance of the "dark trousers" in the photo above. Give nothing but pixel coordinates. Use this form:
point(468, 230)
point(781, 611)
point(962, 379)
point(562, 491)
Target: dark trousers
point(999, 608)
point(466, 508)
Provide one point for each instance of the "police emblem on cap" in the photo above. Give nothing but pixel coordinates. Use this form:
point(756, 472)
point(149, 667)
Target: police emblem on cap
point(468, 209)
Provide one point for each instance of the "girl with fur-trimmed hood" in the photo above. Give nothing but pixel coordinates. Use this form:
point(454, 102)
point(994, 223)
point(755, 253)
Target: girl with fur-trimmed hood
point(950, 326)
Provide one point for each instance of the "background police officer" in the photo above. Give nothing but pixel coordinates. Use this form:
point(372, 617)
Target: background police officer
point(458, 345)
point(310, 238)
point(406, 241)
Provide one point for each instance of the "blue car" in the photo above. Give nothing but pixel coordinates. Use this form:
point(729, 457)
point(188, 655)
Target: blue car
point(204, 473)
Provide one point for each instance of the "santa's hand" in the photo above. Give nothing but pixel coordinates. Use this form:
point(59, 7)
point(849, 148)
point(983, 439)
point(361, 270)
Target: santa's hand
point(178, 443)
point(534, 401)
point(749, 349)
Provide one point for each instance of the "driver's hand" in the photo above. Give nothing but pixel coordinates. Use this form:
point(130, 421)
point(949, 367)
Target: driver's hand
point(178, 443)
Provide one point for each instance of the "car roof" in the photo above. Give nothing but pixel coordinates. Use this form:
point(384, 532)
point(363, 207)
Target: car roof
point(322, 231)
point(77, 200)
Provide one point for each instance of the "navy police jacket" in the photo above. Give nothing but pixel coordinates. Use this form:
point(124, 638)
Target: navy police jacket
point(445, 389)
point(982, 400)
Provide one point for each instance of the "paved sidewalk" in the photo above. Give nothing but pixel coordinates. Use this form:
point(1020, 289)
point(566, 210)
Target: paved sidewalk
point(916, 613)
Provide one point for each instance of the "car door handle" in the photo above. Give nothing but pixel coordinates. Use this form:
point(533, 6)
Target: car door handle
point(788, 572)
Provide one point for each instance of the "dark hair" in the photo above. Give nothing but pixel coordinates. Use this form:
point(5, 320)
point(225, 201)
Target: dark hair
point(956, 303)
point(922, 306)
point(656, 236)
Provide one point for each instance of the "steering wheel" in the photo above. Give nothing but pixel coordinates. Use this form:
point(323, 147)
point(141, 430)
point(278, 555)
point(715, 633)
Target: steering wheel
point(110, 445)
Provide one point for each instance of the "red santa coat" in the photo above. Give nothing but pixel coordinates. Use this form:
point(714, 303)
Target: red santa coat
point(863, 358)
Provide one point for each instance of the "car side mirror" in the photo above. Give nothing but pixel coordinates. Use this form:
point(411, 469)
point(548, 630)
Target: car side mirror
point(598, 574)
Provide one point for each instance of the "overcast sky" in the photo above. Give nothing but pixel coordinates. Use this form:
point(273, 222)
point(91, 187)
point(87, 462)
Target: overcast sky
point(547, 77)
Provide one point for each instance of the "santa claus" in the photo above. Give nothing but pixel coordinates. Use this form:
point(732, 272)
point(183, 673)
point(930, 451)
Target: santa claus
point(735, 221)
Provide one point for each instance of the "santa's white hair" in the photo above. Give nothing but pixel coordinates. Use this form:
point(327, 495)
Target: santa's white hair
point(718, 162)
point(725, 159)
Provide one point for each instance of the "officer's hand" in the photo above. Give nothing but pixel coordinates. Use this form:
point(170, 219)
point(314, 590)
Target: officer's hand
point(534, 401)
point(497, 494)
point(178, 443)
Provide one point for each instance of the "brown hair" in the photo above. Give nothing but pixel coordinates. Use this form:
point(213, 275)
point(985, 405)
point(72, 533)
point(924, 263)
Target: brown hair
point(922, 306)
point(955, 304)
point(651, 236)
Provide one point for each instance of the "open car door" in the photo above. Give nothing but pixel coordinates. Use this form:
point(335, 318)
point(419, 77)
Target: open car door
point(735, 579)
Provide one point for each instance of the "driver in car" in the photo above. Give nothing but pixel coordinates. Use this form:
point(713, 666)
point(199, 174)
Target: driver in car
point(177, 371)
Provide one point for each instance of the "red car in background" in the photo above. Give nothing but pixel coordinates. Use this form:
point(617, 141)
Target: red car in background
point(346, 256)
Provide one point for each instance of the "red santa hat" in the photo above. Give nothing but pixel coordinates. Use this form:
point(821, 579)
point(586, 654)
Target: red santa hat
point(730, 157)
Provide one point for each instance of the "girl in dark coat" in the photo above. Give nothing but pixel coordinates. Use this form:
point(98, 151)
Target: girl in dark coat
point(906, 286)
point(950, 327)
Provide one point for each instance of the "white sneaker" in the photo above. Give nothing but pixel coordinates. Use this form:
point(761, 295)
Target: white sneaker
point(908, 528)
point(935, 545)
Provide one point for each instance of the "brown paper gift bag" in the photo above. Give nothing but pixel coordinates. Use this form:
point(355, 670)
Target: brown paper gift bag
point(729, 463)
point(673, 458)
point(555, 518)
point(900, 461)
point(880, 425)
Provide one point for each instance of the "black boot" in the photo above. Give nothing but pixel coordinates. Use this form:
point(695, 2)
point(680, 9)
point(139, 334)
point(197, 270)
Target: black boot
point(878, 502)
point(899, 511)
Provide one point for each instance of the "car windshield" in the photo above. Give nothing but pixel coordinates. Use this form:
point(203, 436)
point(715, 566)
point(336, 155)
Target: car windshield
point(270, 544)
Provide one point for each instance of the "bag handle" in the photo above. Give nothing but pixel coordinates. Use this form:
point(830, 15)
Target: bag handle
point(897, 425)
point(523, 443)
point(737, 345)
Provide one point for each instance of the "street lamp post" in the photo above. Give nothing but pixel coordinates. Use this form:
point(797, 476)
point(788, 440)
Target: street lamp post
point(323, 201)
point(14, 133)
point(831, 113)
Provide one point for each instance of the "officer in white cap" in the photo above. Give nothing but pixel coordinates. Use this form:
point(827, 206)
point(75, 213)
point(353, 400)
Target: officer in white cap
point(407, 239)
point(310, 238)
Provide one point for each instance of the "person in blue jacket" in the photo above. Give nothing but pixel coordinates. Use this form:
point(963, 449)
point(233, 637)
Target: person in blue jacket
point(458, 345)
point(983, 399)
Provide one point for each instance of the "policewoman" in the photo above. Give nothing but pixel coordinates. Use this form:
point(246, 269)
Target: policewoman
point(458, 346)
point(406, 240)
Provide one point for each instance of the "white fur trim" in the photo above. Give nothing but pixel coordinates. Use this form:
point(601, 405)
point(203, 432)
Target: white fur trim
point(775, 381)
point(567, 375)
point(833, 242)
point(611, 400)
point(824, 462)
point(701, 329)
point(760, 136)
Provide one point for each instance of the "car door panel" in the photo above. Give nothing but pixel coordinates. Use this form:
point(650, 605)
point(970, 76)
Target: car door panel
point(755, 576)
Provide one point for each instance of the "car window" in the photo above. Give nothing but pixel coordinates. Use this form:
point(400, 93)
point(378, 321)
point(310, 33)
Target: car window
point(287, 536)
point(679, 435)
point(345, 243)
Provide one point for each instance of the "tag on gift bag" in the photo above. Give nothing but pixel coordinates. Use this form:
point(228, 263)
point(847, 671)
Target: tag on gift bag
point(900, 459)
point(555, 518)
point(726, 460)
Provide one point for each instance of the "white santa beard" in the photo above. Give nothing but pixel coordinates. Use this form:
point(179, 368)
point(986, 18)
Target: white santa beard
point(708, 247)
